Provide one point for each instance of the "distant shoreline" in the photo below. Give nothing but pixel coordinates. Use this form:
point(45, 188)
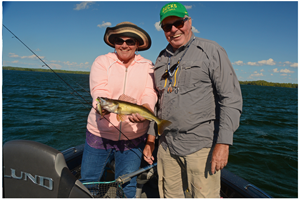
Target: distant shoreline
point(256, 83)
point(43, 70)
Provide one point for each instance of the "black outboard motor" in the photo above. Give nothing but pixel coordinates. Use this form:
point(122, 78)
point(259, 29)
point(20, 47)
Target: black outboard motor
point(35, 170)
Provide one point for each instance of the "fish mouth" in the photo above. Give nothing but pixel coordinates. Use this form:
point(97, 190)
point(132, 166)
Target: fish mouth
point(102, 101)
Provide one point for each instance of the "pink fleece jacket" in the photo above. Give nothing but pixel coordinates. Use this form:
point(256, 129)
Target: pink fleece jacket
point(110, 78)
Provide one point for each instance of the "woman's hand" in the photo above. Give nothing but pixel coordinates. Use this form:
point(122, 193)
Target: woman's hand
point(104, 112)
point(127, 98)
point(97, 106)
point(137, 118)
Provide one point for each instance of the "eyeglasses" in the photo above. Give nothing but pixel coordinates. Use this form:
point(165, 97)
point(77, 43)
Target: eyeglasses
point(177, 24)
point(129, 42)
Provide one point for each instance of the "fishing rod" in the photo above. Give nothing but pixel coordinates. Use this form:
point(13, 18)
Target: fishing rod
point(70, 86)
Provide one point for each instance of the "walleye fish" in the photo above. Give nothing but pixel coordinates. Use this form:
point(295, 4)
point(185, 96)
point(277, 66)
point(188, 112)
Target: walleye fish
point(122, 108)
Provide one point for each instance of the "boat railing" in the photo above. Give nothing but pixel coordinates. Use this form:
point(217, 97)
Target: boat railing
point(257, 189)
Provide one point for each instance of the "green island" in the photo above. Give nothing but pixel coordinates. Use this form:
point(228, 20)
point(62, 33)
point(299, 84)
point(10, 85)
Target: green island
point(256, 83)
point(265, 83)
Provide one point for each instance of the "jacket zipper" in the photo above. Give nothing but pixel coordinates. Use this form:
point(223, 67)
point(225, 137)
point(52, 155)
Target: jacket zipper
point(123, 93)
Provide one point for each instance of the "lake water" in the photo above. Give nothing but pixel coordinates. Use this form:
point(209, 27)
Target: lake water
point(40, 107)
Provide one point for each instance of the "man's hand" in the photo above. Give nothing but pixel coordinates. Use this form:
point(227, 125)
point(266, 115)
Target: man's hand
point(149, 148)
point(219, 157)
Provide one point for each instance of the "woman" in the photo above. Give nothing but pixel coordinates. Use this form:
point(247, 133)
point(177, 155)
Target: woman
point(125, 76)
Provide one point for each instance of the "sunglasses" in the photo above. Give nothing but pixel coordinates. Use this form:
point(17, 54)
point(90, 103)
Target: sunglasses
point(129, 42)
point(177, 24)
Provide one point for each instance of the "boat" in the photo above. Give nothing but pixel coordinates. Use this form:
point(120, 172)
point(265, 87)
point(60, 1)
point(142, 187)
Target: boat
point(35, 170)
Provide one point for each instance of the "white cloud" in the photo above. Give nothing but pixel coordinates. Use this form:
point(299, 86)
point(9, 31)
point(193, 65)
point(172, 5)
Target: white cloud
point(28, 57)
point(56, 66)
point(13, 55)
point(83, 64)
point(262, 70)
point(24, 57)
point(294, 65)
point(188, 7)
point(54, 61)
point(83, 5)
point(239, 63)
point(275, 70)
point(262, 62)
point(267, 62)
point(104, 24)
point(31, 57)
point(252, 64)
point(157, 26)
point(283, 74)
point(286, 71)
point(194, 30)
point(14, 62)
point(256, 74)
point(288, 63)
point(69, 63)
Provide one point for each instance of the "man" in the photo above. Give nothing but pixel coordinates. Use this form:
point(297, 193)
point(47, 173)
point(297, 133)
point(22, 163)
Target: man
point(200, 94)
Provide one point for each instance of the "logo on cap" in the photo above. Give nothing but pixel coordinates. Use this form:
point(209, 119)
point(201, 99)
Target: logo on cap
point(169, 7)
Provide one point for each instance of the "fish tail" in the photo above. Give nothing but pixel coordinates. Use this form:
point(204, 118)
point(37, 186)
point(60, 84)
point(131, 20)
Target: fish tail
point(162, 125)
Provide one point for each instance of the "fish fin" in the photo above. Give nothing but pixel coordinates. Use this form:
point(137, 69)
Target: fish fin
point(162, 125)
point(121, 117)
point(99, 109)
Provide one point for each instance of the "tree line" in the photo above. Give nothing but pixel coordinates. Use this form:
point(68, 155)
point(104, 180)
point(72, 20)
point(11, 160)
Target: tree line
point(256, 83)
point(265, 83)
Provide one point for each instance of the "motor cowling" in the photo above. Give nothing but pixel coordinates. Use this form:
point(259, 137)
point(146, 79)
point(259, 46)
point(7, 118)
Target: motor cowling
point(32, 169)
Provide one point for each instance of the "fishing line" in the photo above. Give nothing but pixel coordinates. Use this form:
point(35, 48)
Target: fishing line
point(45, 63)
point(72, 88)
point(74, 94)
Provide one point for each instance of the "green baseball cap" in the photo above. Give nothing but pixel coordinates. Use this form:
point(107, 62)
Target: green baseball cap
point(173, 9)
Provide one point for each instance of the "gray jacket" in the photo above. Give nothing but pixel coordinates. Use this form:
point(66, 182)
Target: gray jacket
point(206, 103)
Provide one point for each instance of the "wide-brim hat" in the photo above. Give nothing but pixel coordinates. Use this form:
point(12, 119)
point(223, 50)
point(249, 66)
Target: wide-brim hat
point(127, 29)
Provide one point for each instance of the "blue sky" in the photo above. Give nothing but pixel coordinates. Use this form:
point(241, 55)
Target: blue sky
point(260, 38)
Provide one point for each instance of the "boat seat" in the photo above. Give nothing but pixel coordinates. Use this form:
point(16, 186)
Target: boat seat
point(35, 170)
